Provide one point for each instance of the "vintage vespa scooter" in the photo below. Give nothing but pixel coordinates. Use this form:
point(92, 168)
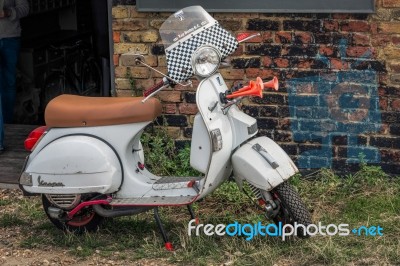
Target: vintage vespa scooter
point(88, 162)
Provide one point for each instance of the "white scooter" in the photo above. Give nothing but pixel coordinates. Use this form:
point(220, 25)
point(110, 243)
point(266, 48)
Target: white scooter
point(88, 163)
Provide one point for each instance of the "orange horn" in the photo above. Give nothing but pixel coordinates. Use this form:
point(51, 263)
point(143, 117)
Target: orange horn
point(255, 88)
point(272, 84)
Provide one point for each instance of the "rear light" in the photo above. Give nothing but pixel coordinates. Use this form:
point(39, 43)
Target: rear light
point(34, 137)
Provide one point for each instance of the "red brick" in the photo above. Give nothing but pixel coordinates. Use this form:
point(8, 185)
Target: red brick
point(305, 63)
point(268, 37)
point(263, 73)
point(267, 61)
point(396, 105)
point(281, 62)
point(360, 51)
point(325, 50)
point(170, 96)
point(116, 59)
point(356, 26)
point(116, 36)
point(361, 39)
point(188, 108)
point(303, 37)
point(391, 3)
point(331, 25)
point(396, 40)
point(239, 51)
point(383, 103)
point(169, 108)
point(338, 64)
point(304, 88)
point(232, 73)
point(283, 37)
point(374, 28)
point(358, 115)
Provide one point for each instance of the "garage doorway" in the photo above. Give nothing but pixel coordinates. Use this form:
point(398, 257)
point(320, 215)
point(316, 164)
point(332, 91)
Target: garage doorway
point(66, 47)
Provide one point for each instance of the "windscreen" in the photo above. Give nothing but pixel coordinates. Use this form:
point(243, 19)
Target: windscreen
point(184, 23)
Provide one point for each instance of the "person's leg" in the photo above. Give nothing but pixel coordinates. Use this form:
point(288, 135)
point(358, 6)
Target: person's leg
point(9, 53)
point(1, 105)
point(1, 127)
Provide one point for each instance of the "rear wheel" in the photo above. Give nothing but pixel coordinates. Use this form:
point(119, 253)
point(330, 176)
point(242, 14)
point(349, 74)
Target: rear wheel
point(291, 208)
point(86, 220)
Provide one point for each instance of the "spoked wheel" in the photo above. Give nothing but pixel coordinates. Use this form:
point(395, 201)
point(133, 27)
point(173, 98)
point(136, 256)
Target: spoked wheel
point(86, 220)
point(291, 208)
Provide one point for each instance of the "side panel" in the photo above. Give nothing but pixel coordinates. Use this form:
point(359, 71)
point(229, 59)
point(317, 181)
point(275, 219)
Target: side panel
point(200, 150)
point(75, 164)
point(250, 165)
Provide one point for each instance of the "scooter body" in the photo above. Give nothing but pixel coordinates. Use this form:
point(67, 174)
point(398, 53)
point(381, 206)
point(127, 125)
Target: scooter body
point(106, 159)
point(89, 162)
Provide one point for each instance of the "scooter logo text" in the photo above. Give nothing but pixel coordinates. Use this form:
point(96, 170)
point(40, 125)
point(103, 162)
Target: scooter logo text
point(42, 183)
point(249, 231)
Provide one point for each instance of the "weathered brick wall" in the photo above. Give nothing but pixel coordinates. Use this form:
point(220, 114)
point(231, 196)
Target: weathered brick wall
point(339, 80)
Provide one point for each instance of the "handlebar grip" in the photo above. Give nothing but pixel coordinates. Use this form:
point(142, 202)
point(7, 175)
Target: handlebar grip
point(153, 89)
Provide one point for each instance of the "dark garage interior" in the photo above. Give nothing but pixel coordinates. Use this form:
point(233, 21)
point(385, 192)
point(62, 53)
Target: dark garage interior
point(65, 48)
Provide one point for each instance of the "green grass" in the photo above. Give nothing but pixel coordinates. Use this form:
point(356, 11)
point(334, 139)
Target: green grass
point(331, 199)
point(368, 197)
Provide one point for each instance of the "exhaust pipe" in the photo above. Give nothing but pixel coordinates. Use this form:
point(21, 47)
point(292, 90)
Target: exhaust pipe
point(100, 210)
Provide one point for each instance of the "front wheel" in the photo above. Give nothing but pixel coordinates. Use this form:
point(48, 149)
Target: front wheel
point(291, 208)
point(86, 220)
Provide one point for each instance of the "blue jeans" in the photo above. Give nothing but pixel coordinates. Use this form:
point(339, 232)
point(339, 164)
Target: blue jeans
point(9, 51)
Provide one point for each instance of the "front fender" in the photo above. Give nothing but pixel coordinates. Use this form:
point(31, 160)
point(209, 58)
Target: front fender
point(262, 163)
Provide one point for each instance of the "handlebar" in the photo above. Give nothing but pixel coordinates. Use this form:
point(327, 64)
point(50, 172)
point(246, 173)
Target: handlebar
point(153, 88)
point(246, 36)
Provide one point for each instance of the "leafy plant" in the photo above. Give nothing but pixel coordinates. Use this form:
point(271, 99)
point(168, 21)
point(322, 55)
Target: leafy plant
point(162, 158)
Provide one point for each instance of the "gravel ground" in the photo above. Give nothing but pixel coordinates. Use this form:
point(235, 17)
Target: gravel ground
point(11, 252)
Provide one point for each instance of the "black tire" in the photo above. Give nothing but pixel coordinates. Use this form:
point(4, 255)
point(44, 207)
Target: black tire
point(91, 78)
point(86, 220)
point(292, 208)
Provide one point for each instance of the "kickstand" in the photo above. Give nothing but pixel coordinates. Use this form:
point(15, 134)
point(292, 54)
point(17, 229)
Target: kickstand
point(192, 215)
point(168, 245)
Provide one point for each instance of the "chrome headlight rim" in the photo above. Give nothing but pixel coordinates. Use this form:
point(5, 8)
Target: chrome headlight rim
point(197, 52)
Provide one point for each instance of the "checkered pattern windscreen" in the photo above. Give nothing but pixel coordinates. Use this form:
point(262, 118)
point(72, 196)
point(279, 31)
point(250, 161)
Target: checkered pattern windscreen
point(179, 57)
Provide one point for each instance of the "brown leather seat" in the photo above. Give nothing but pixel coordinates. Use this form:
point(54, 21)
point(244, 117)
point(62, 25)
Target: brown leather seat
point(79, 111)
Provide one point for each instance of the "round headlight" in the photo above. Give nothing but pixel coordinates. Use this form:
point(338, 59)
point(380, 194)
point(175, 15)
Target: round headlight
point(205, 61)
